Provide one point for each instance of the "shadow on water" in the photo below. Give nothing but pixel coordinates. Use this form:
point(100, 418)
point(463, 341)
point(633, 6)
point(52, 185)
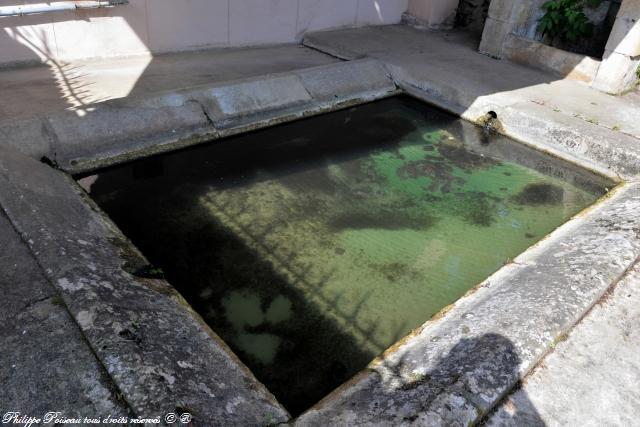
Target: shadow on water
point(287, 342)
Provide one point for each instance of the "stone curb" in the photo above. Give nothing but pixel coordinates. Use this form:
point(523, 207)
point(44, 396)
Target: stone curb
point(160, 354)
point(125, 129)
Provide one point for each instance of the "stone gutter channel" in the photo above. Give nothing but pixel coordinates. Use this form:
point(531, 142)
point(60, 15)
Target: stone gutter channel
point(163, 358)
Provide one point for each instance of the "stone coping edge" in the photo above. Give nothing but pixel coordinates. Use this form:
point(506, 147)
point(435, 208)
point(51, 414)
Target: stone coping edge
point(160, 354)
point(130, 128)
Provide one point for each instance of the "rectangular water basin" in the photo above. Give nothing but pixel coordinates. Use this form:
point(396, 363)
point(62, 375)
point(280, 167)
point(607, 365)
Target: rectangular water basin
point(312, 247)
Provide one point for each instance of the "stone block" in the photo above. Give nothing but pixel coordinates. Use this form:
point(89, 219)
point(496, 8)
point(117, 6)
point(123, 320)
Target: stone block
point(159, 354)
point(443, 14)
point(548, 58)
point(315, 15)
point(436, 14)
point(493, 37)
point(625, 37)
point(501, 10)
point(229, 103)
point(115, 128)
point(377, 12)
point(346, 80)
point(617, 73)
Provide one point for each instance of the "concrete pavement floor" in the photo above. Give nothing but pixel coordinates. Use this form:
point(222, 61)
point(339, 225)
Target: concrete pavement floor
point(30, 91)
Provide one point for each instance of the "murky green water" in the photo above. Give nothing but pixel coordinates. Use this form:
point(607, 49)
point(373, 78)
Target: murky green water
point(312, 247)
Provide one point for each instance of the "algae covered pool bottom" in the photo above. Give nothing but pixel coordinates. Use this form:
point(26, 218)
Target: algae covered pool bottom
point(312, 247)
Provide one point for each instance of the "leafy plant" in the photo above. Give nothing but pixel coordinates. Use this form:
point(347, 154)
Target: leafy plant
point(566, 19)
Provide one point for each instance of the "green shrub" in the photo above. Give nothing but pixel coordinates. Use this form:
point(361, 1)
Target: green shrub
point(566, 19)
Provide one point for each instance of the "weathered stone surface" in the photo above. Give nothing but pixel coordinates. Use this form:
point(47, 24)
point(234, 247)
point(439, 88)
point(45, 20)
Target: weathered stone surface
point(158, 352)
point(46, 365)
point(625, 36)
point(621, 58)
point(451, 371)
point(344, 80)
point(356, 43)
point(435, 15)
point(235, 102)
point(591, 377)
point(32, 136)
point(115, 128)
point(455, 368)
point(123, 129)
point(584, 142)
point(547, 58)
point(501, 9)
point(629, 9)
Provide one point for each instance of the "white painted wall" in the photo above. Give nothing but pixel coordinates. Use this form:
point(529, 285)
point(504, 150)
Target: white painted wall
point(436, 14)
point(153, 26)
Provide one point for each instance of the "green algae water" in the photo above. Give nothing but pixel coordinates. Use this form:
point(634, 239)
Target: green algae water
point(312, 247)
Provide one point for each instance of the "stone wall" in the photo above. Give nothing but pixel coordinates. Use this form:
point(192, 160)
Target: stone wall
point(152, 26)
point(619, 68)
point(616, 73)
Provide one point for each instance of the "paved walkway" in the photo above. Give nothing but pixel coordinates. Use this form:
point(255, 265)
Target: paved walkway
point(590, 379)
point(36, 90)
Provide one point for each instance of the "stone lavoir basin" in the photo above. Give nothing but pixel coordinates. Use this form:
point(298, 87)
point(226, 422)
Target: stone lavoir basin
point(312, 247)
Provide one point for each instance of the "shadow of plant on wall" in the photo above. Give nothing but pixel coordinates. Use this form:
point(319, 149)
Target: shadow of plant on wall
point(46, 83)
point(73, 84)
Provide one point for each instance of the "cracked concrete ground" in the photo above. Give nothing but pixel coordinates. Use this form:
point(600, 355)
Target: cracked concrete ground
point(434, 376)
